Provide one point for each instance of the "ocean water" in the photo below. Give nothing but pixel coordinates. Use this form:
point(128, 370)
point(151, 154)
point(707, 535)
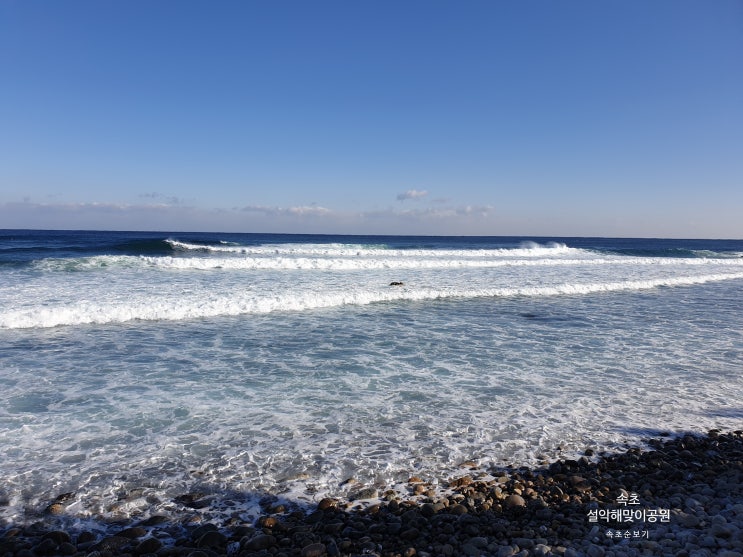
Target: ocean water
point(136, 368)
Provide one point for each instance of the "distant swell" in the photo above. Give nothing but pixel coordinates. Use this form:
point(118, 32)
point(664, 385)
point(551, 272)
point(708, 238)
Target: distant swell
point(233, 304)
point(527, 249)
point(145, 247)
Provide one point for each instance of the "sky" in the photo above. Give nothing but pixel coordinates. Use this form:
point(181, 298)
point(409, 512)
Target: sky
point(521, 117)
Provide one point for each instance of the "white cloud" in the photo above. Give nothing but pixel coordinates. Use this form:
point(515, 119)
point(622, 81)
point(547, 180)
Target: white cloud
point(100, 216)
point(252, 218)
point(300, 211)
point(439, 219)
point(169, 199)
point(412, 194)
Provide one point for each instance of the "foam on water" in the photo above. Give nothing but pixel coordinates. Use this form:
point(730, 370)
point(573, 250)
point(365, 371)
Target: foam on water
point(288, 381)
point(527, 249)
point(115, 307)
point(296, 405)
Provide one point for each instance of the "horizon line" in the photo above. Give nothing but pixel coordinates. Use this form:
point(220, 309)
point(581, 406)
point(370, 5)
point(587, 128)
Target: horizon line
point(525, 236)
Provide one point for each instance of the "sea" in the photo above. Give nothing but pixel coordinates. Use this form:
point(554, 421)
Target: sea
point(199, 375)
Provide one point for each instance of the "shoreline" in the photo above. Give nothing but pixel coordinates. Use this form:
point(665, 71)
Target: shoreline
point(684, 496)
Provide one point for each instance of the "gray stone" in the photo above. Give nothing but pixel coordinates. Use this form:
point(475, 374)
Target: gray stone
point(365, 493)
point(332, 549)
point(524, 543)
point(471, 550)
point(479, 541)
point(458, 509)
point(513, 501)
point(112, 543)
point(688, 520)
point(428, 509)
point(507, 551)
point(314, 550)
point(721, 531)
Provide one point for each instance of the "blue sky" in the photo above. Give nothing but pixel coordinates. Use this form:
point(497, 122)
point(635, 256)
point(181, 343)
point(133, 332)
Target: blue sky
point(612, 118)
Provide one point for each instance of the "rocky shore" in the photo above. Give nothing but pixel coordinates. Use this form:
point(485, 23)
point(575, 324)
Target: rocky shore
point(678, 497)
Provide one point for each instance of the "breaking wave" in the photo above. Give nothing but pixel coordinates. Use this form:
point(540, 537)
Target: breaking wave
point(258, 302)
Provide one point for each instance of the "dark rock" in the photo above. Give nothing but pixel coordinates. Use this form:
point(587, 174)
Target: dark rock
point(333, 528)
point(314, 550)
point(47, 546)
point(112, 543)
point(261, 541)
point(66, 548)
point(193, 500)
point(516, 511)
point(241, 531)
point(57, 536)
point(133, 533)
point(458, 509)
point(524, 543)
point(428, 509)
point(479, 542)
point(332, 549)
point(154, 520)
point(85, 537)
point(203, 529)
point(327, 503)
point(544, 514)
point(148, 545)
point(211, 539)
point(410, 534)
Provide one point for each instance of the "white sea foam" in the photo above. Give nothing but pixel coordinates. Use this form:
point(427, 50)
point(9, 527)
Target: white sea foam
point(287, 373)
point(294, 404)
point(399, 262)
point(527, 249)
point(374, 261)
point(204, 305)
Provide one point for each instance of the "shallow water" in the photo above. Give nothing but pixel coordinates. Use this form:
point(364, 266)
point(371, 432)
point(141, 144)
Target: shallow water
point(200, 370)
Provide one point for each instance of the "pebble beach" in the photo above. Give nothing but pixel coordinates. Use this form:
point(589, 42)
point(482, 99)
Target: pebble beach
point(675, 496)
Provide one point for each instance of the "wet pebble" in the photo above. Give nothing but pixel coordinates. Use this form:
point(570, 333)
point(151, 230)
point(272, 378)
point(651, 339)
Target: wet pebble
point(542, 512)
